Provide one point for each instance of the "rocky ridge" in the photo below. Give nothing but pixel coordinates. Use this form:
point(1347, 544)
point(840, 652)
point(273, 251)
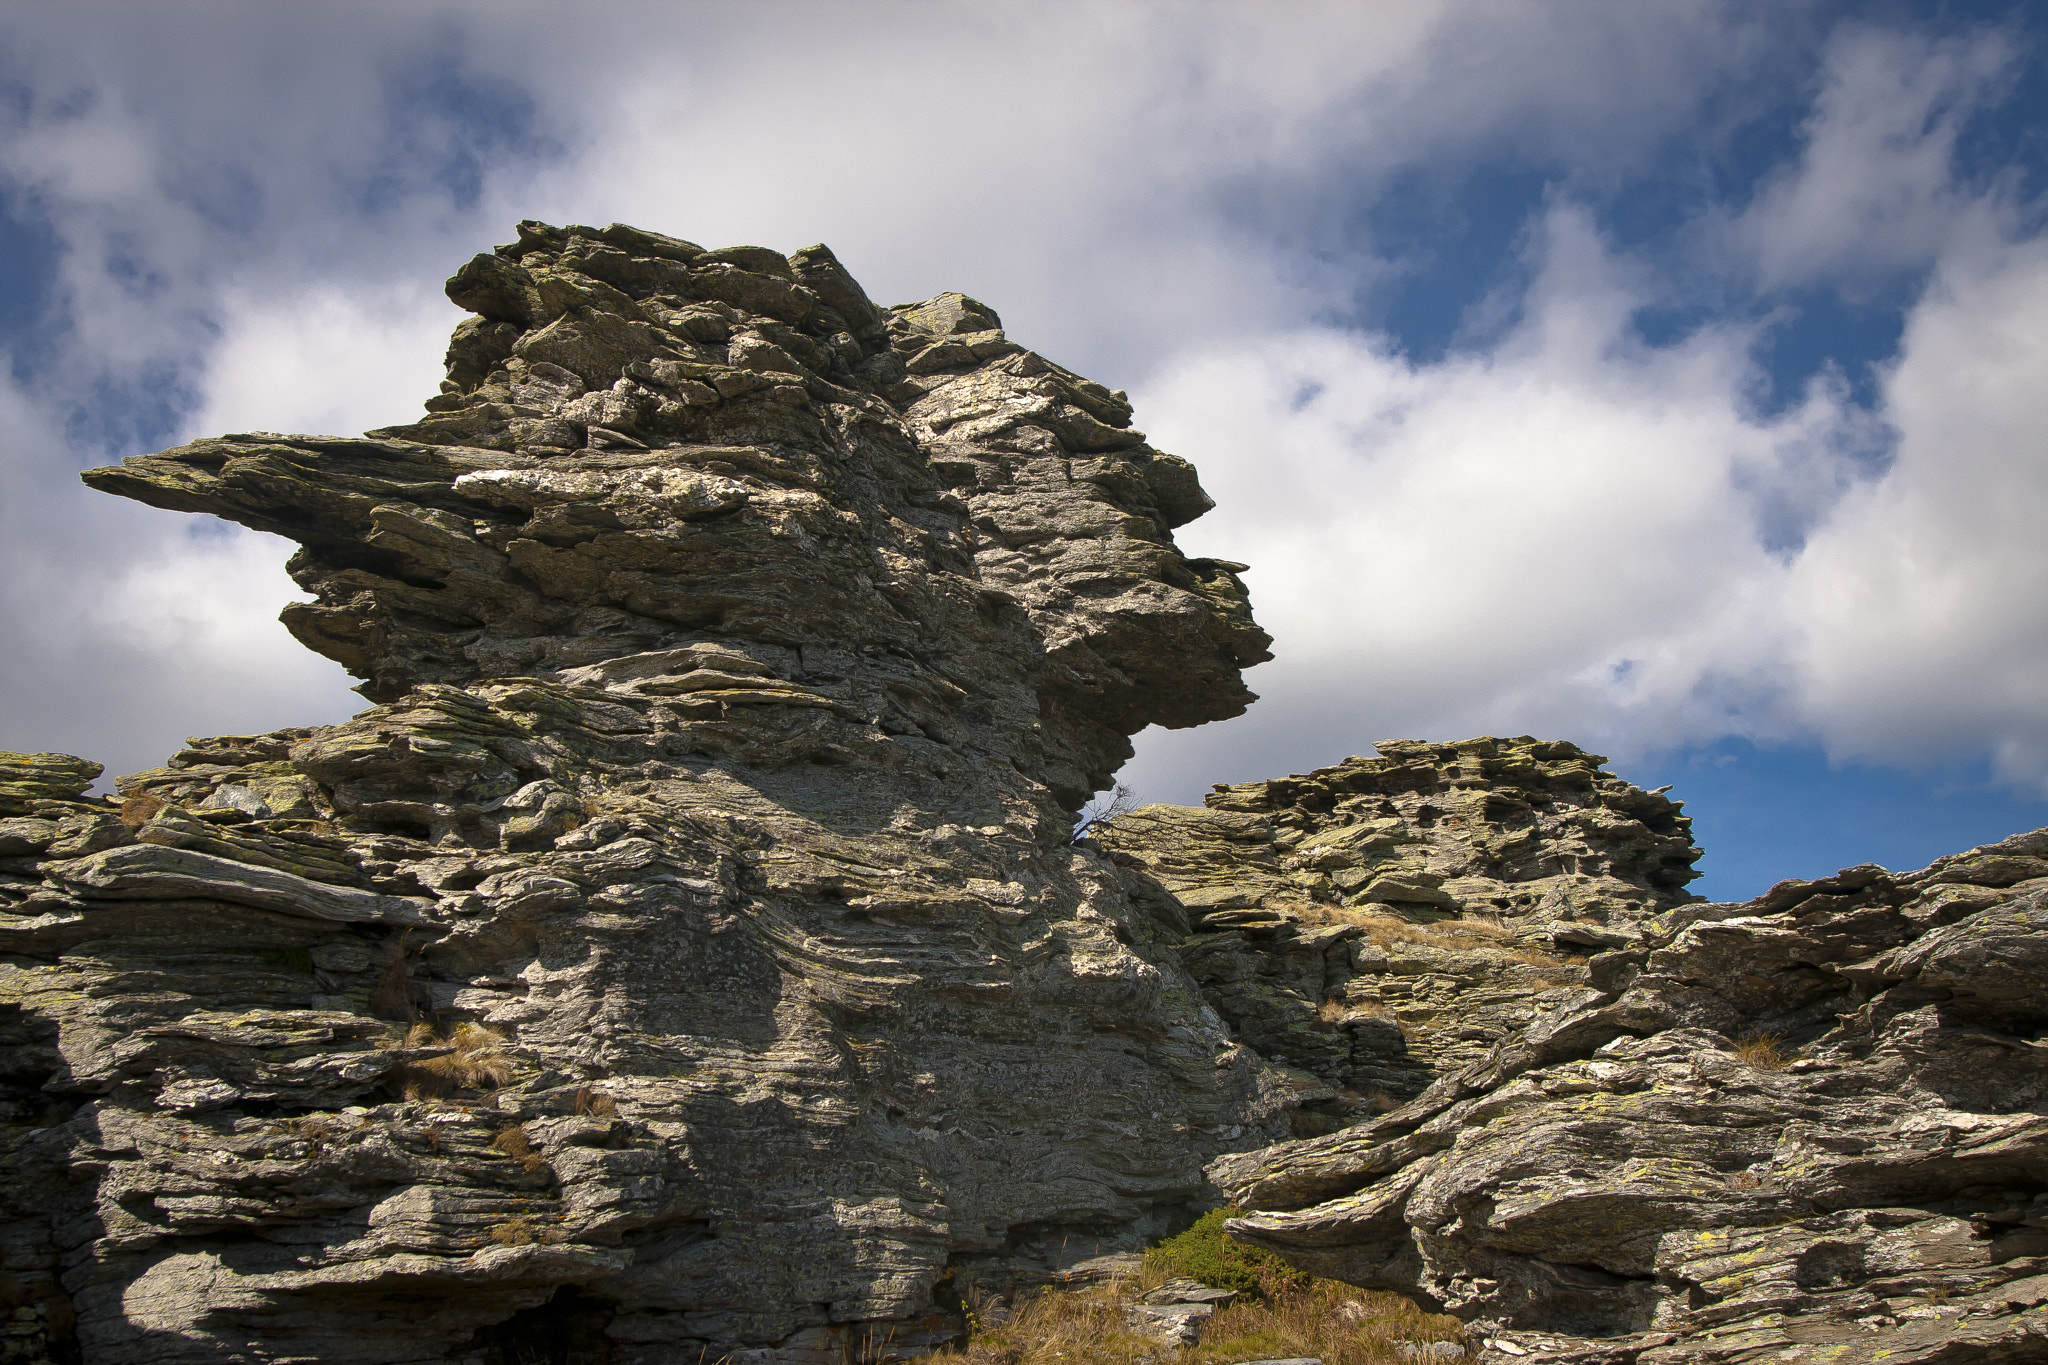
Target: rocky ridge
point(1384, 921)
point(1808, 1128)
point(686, 953)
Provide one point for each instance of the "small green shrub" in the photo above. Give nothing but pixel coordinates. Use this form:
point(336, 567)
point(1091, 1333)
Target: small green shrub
point(1206, 1253)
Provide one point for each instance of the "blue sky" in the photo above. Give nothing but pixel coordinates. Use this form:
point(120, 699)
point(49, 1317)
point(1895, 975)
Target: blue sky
point(1667, 378)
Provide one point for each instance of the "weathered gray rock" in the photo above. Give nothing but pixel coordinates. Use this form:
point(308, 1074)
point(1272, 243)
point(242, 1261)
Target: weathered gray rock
point(1176, 1312)
point(686, 953)
point(1813, 1127)
point(1379, 923)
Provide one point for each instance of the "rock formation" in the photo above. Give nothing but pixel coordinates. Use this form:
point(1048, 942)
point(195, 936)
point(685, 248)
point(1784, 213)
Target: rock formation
point(1381, 922)
point(688, 956)
point(687, 952)
point(1809, 1128)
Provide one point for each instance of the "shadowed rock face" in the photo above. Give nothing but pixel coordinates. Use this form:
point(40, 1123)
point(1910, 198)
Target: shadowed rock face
point(1813, 1127)
point(686, 952)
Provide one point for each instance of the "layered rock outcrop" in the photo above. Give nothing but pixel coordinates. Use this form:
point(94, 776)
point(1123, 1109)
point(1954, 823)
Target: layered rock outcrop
point(1385, 921)
point(686, 953)
point(1809, 1128)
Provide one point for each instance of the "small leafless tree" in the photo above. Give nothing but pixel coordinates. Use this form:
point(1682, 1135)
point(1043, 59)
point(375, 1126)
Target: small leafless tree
point(1121, 800)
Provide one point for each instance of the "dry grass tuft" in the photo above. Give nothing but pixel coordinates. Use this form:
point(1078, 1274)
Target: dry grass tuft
point(594, 1102)
point(1463, 934)
point(1762, 1051)
point(139, 810)
point(477, 1062)
point(1336, 1323)
point(1333, 1322)
point(515, 1143)
point(1067, 1326)
point(1343, 1012)
point(1279, 1313)
point(513, 1232)
point(315, 1129)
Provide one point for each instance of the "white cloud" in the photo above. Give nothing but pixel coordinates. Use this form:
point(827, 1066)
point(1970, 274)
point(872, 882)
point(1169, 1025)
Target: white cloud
point(1924, 629)
point(1873, 190)
point(1573, 533)
point(325, 361)
point(1559, 535)
point(1560, 529)
point(126, 629)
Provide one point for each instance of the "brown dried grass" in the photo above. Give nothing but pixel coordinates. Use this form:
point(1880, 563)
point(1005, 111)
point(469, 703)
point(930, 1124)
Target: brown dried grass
point(477, 1062)
point(139, 810)
point(1340, 1012)
point(1336, 1323)
point(1762, 1051)
point(513, 1232)
point(594, 1102)
point(517, 1144)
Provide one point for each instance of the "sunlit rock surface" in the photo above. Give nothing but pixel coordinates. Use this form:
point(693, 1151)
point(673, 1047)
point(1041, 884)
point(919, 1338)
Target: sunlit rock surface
point(1809, 1128)
point(686, 953)
point(1379, 923)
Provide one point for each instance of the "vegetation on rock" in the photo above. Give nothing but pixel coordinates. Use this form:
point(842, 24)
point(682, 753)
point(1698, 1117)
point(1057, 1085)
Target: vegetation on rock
point(1280, 1313)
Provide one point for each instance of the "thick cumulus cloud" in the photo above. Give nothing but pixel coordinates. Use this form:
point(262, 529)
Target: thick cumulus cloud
point(1922, 628)
point(1557, 526)
point(1570, 531)
point(1567, 533)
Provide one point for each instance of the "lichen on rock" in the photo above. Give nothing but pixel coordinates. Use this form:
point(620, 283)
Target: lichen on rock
point(1810, 1127)
point(688, 954)
point(1385, 921)
point(739, 652)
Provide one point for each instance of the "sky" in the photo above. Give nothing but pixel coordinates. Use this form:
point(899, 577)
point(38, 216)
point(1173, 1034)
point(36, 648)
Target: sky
point(1668, 378)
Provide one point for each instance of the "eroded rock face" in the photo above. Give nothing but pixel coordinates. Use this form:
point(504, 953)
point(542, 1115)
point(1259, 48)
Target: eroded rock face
point(686, 953)
point(1385, 921)
point(1812, 1127)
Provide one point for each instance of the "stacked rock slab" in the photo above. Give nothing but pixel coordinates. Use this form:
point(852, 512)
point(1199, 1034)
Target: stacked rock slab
point(1809, 1128)
point(1384, 921)
point(686, 954)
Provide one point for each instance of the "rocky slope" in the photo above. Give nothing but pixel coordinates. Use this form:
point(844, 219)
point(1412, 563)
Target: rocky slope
point(1809, 1128)
point(686, 953)
point(1381, 922)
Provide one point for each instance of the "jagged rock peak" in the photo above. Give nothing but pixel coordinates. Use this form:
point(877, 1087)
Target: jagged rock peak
point(1522, 827)
point(1386, 920)
point(650, 461)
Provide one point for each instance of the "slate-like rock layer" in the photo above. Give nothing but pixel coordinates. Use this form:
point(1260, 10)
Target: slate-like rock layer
point(686, 953)
point(1809, 1128)
point(1381, 922)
